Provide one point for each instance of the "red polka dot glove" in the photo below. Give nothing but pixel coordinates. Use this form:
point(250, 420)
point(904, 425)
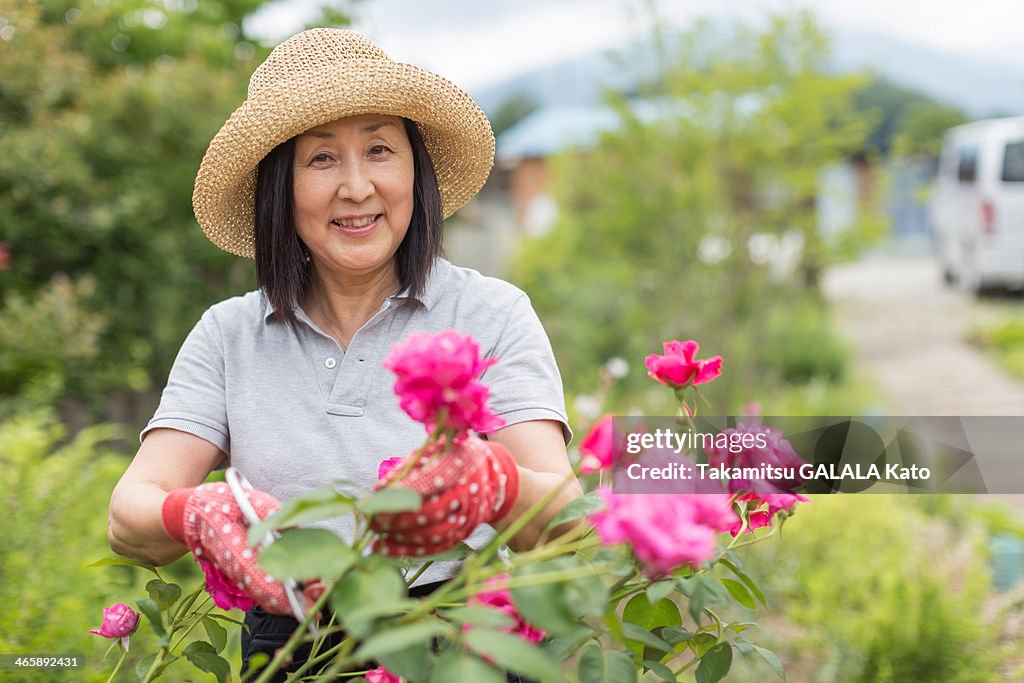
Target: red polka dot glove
point(206, 518)
point(476, 483)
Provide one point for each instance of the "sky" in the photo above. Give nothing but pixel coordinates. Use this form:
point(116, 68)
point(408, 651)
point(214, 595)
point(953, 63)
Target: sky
point(476, 43)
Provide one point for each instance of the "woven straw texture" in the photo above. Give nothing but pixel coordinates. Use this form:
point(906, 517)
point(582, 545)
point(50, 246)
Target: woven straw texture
point(318, 76)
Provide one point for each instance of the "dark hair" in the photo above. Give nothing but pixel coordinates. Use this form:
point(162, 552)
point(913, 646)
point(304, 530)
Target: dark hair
point(281, 267)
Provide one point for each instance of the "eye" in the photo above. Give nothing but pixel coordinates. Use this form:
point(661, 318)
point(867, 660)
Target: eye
point(320, 157)
point(377, 150)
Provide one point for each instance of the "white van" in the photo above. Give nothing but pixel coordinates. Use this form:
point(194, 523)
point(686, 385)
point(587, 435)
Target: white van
point(977, 208)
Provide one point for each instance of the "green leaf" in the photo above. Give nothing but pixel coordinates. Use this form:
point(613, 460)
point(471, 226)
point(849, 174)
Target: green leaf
point(586, 596)
point(376, 584)
point(701, 643)
point(307, 554)
point(375, 610)
point(662, 671)
point(747, 581)
point(144, 665)
point(744, 646)
point(562, 647)
point(206, 659)
point(152, 613)
point(514, 654)
point(606, 666)
point(578, 508)
point(740, 592)
point(256, 663)
point(453, 667)
point(163, 594)
point(642, 635)
point(702, 591)
point(545, 605)
point(643, 618)
point(715, 663)
point(412, 663)
point(121, 562)
point(217, 633)
point(740, 626)
point(772, 659)
point(390, 500)
point(224, 617)
point(659, 590)
point(398, 638)
point(640, 612)
point(323, 503)
point(459, 552)
point(478, 615)
point(676, 634)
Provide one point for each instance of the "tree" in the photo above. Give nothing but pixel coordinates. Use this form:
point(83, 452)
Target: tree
point(673, 231)
point(106, 109)
point(909, 123)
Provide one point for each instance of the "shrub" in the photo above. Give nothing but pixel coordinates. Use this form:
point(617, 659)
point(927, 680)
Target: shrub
point(882, 592)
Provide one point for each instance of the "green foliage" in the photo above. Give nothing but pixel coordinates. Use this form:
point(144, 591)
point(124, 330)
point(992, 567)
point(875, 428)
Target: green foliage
point(106, 109)
point(883, 592)
point(806, 347)
point(908, 122)
point(50, 599)
point(47, 342)
point(513, 110)
point(729, 155)
point(1005, 341)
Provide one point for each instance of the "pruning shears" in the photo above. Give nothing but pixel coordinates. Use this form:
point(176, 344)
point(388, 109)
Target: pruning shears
point(238, 484)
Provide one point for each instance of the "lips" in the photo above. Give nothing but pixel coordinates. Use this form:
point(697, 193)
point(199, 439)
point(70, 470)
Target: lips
point(360, 227)
point(356, 222)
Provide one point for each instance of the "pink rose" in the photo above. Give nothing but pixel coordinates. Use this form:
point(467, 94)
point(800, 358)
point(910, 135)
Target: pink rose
point(386, 465)
point(598, 447)
point(437, 375)
point(678, 367)
point(776, 453)
point(225, 593)
point(665, 530)
point(762, 516)
point(496, 595)
point(381, 675)
point(119, 621)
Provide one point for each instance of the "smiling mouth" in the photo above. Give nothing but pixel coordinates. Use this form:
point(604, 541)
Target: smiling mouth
point(356, 222)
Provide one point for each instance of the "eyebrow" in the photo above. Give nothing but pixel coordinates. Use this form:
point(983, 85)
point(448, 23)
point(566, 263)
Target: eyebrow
point(365, 129)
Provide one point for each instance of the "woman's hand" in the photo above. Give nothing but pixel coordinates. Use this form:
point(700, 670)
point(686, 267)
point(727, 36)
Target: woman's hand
point(208, 521)
point(476, 483)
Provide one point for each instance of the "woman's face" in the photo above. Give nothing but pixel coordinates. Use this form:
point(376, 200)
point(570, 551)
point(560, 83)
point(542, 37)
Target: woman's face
point(353, 197)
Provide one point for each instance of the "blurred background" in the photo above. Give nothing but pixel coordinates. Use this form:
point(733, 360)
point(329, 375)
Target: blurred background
point(776, 180)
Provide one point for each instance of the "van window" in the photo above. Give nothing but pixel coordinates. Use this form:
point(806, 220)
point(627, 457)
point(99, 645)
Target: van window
point(967, 169)
point(1013, 163)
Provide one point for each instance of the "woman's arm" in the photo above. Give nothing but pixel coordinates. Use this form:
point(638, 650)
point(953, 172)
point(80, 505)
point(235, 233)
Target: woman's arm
point(168, 459)
point(539, 449)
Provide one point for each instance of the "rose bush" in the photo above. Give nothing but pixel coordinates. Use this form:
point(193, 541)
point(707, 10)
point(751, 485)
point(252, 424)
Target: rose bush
point(633, 588)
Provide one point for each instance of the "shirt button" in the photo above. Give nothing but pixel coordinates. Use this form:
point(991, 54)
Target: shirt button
point(330, 363)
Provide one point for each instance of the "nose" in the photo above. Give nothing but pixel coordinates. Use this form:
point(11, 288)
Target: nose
point(355, 183)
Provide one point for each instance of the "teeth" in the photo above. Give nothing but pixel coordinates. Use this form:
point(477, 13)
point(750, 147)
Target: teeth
point(356, 223)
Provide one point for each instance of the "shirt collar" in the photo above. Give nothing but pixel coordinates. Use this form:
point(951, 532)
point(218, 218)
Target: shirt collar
point(431, 293)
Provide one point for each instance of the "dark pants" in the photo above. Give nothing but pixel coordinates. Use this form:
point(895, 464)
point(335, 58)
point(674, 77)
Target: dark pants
point(268, 632)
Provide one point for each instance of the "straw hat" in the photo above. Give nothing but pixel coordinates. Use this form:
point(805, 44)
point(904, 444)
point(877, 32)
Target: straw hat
point(318, 76)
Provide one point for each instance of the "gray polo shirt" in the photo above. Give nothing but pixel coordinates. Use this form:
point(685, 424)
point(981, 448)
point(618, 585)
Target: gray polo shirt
point(294, 412)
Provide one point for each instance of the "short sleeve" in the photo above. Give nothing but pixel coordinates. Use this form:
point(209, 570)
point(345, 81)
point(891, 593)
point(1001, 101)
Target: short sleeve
point(194, 399)
point(525, 383)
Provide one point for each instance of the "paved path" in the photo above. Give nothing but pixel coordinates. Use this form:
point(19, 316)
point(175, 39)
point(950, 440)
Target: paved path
point(908, 331)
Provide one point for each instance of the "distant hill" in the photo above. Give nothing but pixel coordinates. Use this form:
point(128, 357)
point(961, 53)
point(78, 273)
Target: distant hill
point(982, 87)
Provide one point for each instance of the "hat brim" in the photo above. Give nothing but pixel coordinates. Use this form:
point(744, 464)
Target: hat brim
point(455, 130)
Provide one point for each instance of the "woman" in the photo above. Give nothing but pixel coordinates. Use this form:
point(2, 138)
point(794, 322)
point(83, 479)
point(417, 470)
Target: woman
point(335, 174)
